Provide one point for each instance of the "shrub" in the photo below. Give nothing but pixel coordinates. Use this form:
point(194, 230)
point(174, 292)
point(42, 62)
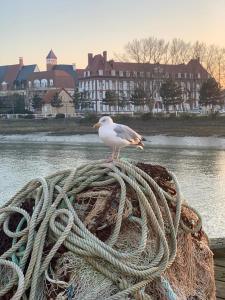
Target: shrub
point(60, 116)
point(89, 118)
point(186, 116)
point(147, 116)
point(29, 116)
point(120, 118)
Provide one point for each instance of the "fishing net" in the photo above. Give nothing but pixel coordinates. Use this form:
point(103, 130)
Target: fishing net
point(72, 275)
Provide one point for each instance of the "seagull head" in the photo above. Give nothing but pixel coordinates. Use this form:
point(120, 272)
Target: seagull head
point(103, 121)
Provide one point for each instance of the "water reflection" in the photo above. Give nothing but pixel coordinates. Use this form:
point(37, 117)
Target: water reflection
point(201, 172)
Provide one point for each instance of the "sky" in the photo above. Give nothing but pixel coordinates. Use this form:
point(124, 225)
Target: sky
point(73, 28)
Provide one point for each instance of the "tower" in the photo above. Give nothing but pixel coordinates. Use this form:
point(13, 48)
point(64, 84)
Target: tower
point(51, 60)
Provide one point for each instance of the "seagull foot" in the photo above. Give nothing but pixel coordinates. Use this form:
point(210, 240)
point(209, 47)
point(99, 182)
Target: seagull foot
point(109, 159)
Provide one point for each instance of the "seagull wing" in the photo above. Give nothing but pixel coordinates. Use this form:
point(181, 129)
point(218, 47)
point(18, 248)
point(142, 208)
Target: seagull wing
point(126, 133)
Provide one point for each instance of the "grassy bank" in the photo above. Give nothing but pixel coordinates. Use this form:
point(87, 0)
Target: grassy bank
point(196, 126)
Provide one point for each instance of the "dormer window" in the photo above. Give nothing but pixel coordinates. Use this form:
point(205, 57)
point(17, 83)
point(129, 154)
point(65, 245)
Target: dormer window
point(4, 86)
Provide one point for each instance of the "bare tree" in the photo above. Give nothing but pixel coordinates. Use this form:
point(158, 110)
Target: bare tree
point(154, 50)
point(199, 51)
point(180, 51)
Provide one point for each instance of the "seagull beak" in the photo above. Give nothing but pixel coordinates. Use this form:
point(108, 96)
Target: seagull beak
point(97, 125)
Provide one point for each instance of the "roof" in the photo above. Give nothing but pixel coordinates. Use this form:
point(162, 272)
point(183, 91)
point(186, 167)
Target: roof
point(61, 78)
point(47, 98)
point(25, 72)
point(98, 62)
point(9, 73)
point(51, 54)
point(67, 68)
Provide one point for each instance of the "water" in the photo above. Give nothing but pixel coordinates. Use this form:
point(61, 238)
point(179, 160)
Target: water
point(199, 164)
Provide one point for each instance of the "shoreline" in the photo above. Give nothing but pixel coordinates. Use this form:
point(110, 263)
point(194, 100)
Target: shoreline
point(193, 127)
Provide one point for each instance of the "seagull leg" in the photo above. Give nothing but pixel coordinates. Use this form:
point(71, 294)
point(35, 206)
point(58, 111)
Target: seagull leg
point(111, 157)
point(117, 153)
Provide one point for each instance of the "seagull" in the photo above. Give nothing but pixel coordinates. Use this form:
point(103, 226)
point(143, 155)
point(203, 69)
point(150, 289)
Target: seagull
point(117, 136)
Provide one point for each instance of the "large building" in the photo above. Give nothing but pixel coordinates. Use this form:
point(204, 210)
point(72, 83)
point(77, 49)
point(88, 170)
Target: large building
point(14, 77)
point(20, 77)
point(102, 75)
point(55, 76)
point(29, 81)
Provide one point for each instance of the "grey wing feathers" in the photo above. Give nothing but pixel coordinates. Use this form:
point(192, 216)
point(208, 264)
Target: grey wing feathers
point(127, 133)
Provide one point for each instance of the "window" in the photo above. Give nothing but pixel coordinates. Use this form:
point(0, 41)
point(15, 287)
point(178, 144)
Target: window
point(128, 74)
point(113, 73)
point(121, 73)
point(179, 75)
point(51, 82)
point(199, 75)
point(100, 72)
point(37, 83)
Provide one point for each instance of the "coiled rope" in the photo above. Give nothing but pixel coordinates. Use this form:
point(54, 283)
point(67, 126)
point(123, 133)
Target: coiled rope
point(63, 226)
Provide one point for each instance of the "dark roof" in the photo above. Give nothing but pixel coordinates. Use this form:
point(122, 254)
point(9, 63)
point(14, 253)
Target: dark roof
point(2, 72)
point(61, 78)
point(25, 72)
point(9, 73)
point(51, 54)
point(67, 68)
point(98, 62)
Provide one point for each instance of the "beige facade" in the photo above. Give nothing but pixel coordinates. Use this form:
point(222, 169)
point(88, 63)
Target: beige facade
point(66, 107)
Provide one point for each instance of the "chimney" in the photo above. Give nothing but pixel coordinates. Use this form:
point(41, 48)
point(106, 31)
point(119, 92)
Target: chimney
point(90, 57)
point(105, 55)
point(74, 67)
point(21, 61)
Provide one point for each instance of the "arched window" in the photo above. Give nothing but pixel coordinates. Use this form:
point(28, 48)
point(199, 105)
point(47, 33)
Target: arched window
point(44, 83)
point(37, 83)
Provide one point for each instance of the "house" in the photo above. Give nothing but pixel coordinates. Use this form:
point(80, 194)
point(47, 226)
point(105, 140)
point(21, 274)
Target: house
point(14, 77)
point(102, 74)
point(55, 76)
point(66, 103)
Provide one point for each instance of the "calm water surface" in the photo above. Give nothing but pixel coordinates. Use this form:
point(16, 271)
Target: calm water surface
point(200, 171)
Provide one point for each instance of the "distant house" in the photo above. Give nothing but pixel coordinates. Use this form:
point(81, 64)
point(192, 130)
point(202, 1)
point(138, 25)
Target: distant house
point(66, 106)
point(14, 77)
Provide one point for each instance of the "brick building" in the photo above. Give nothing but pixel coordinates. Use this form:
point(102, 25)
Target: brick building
point(102, 74)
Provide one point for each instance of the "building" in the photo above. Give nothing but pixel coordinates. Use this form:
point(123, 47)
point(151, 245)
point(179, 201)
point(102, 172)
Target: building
point(66, 106)
point(55, 76)
point(28, 78)
point(14, 77)
point(102, 75)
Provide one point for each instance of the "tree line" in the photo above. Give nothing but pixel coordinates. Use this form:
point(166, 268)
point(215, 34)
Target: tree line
point(16, 103)
point(177, 51)
point(171, 93)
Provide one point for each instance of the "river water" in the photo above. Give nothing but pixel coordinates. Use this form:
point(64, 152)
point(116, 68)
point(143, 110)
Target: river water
point(199, 164)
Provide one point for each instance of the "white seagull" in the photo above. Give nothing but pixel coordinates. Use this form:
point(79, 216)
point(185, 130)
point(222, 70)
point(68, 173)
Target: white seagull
point(117, 136)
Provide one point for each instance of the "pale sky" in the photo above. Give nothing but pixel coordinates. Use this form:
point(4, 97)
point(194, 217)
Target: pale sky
point(73, 28)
